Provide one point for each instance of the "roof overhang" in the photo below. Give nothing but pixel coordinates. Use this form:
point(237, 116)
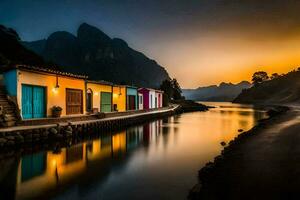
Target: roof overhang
point(36, 69)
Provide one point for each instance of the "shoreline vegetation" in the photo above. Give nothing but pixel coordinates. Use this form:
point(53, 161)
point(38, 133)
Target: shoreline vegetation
point(214, 179)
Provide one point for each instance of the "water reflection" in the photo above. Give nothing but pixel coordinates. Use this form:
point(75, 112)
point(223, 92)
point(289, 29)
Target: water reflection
point(47, 171)
point(157, 160)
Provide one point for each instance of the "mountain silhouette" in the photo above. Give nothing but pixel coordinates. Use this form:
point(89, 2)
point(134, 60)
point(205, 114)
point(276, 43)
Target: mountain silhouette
point(223, 92)
point(13, 52)
point(95, 54)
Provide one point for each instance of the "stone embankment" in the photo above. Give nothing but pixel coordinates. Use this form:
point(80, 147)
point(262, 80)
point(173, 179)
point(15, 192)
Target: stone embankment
point(19, 136)
point(22, 135)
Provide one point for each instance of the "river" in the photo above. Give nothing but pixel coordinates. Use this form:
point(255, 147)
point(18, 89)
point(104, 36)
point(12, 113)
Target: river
point(157, 160)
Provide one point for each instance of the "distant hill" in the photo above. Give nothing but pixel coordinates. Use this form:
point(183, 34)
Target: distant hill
point(223, 92)
point(95, 54)
point(284, 89)
point(13, 52)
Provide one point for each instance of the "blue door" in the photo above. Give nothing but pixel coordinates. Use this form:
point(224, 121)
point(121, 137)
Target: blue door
point(27, 111)
point(38, 102)
point(33, 102)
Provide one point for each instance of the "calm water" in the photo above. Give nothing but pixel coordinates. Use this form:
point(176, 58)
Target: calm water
point(158, 160)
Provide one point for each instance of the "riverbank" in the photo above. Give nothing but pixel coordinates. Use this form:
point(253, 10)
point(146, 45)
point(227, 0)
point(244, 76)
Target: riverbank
point(258, 164)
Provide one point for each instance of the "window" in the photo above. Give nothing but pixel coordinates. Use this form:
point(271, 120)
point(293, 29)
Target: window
point(141, 99)
point(89, 100)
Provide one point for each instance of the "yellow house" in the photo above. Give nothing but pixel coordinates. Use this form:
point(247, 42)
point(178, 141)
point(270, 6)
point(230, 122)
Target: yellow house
point(119, 98)
point(37, 90)
point(99, 96)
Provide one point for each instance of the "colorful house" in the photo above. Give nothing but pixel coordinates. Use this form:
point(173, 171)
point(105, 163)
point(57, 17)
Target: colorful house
point(151, 98)
point(99, 96)
point(37, 90)
point(119, 98)
point(131, 98)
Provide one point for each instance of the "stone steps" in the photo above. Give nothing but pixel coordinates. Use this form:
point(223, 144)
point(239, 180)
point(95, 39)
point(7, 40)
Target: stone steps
point(9, 118)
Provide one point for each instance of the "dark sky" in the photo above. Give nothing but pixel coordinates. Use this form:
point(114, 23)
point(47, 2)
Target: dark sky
point(199, 42)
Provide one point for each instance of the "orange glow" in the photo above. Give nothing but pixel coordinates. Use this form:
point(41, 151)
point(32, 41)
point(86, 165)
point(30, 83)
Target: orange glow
point(225, 57)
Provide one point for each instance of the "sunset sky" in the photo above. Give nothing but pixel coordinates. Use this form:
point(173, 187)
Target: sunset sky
point(200, 42)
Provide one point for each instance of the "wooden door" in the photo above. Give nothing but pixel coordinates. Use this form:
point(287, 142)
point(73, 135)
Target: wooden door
point(131, 102)
point(105, 102)
point(74, 101)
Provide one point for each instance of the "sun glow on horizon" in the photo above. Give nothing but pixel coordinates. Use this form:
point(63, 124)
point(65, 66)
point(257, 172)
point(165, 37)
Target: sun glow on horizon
point(227, 59)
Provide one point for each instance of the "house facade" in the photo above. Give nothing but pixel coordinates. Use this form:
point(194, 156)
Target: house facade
point(99, 96)
point(37, 90)
point(131, 98)
point(151, 98)
point(119, 98)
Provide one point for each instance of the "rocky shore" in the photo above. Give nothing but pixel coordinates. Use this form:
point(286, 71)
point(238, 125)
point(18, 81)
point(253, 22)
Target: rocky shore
point(190, 106)
point(243, 162)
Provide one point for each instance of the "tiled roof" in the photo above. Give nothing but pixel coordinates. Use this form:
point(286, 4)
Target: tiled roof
point(43, 69)
point(100, 82)
point(127, 86)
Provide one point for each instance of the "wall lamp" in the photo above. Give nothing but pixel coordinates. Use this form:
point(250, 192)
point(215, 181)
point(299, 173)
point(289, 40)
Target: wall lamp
point(56, 86)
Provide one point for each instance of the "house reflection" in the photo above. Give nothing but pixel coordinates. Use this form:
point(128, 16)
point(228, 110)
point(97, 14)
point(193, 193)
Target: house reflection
point(48, 171)
point(151, 132)
point(134, 137)
point(32, 166)
point(119, 144)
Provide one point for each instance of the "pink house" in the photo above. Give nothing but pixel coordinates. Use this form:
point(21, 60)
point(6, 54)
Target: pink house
point(151, 98)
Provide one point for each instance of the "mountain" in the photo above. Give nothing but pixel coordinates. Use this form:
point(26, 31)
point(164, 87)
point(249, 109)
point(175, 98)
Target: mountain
point(223, 92)
point(13, 52)
point(95, 54)
point(284, 89)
